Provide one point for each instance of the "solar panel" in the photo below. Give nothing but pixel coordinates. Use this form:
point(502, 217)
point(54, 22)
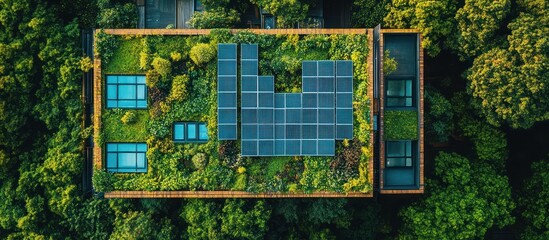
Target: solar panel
point(226, 92)
point(287, 124)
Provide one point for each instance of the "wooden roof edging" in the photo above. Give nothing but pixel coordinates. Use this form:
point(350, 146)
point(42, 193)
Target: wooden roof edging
point(299, 31)
point(230, 194)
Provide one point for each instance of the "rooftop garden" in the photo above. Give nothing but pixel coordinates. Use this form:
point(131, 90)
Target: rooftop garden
point(181, 81)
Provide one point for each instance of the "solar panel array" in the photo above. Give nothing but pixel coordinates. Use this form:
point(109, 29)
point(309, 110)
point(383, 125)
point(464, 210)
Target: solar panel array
point(294, 124)
point(226, 92)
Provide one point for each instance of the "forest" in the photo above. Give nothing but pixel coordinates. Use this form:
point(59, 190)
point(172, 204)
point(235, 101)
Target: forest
point(486, 121)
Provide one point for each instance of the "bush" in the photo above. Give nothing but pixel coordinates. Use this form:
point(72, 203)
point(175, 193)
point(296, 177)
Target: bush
point(202, 53)
point(106, 44)
point(179, 88)
point(389, 63)
point(152, 78)
point(368, 13)
point(129, 118)
point(200, 160)
point(214, 18)
point(117, 16)
point(145, 54)
point(162, 66)
point(102, 181)
point(401, 125)
point(348, 158)
point(229, 154)
point(86, 64)
point(176, 56)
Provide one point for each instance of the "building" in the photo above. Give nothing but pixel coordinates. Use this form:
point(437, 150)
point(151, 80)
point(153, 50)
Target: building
point(314, 122)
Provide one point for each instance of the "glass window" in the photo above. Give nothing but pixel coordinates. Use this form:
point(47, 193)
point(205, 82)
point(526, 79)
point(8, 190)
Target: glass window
point(126, 157)
point(126, 91)
point(399, 153)
point(198, 6)
point(203, 132)
point(190, 132)
point(399, 93)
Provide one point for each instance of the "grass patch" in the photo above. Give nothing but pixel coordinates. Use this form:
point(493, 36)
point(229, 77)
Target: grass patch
point(126, 57)
point(400, 125)
point(116, 131)
point(276, 165)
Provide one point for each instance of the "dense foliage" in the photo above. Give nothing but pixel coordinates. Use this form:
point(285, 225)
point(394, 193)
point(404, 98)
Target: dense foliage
point(400, 125)
point(465, 201)
point(534, 201)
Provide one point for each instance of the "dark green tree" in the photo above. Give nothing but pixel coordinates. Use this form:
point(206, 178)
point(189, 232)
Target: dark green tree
point(464, 202)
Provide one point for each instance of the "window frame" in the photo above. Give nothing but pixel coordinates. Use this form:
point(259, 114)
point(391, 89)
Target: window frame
point(413, 97)
point(118, 84)
point(412, 157)
point(186, 138)
point(201, 9)
point(117, 152)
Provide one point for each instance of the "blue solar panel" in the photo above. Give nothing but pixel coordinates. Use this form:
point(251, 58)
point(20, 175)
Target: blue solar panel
point(344, 68)
point(326, 84)
point(266, 83)
point(293, 100)
point(249, 116)
point(266, 100)
point(309, 132)
point(249, 131)
point(226, 51)
point(265, 116)
point(344, 100)
point(309, 100)
point(280, 116)
point(226, 67)
point(249, 148)
point(326, 116)
point(249, 67)
point(326, 100)
point(226, 132)
point(266, 148)
point(280, 147)
point(344, 116)
point(249, 51)
point(249, 100)
point(280, 100)
point(345, 84)
point(293, 147)
point(326, 131)
point(249, 83)
point(293, 115)
point(226, 100)
point(308, 147)
point(326, 147)
point(309, 68)
point(310, 84)
point(226, 116)
point(344, 131)
point(293, 131)
point(326, 68)
point(226, 84)
point(280, 131)
point(266, 131)
point(309, 116)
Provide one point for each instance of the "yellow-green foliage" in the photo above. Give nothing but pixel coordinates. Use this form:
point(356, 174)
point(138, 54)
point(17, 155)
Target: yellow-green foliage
point(179, 88)
point(162, 66)
point(86, 64)
point(126, 57)
point(129, 118)
point(116, 131)
point(400, 125)
point(176, 56)
point(202, 53)
point(145, 54)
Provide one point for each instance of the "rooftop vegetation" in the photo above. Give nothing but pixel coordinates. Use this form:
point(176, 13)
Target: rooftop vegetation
point(181, 78)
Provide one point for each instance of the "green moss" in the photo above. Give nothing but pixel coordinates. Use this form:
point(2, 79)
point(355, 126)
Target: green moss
point(116, 131)
point(400, 125)
point(126, 57)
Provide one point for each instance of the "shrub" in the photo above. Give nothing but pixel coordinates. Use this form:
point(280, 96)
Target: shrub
point(200, 160)
point(229, 154)
point(145, 54)
point(176, 56)
point(401, 125)
point(162, 66)
point(214, 18)
point(86, 64)
point(179, 88)
point(117, 15)
point(102, 181)
point(106, 44)
point(152, 78)
point(348, 158)
point(202, 53)
point(129, 118)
